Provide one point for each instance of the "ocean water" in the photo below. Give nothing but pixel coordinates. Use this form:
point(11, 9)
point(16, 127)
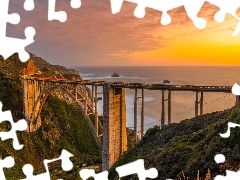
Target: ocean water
point(183, 103)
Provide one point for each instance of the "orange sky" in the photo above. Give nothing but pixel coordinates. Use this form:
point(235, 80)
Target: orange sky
point(93, 36)
point(213, 46)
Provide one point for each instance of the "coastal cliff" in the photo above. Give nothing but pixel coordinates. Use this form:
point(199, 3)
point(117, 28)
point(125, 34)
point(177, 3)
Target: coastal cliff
point(63, 124)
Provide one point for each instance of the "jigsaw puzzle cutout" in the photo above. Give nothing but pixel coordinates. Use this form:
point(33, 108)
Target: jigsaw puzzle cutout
point(192, 9)
point(9, 46)
point(236, 89)
point(220, 158)
point(29, 5)
point(7, 162)
point(230, 175)
point(227, 7)
point(60, 15)
point(87, 173)
point(66, 165)
point(21, 125)
point(230, 125)
point(137, 167)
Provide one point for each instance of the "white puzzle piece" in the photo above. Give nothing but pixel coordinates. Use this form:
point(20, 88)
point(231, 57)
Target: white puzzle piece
point(9, 46)
point(87, 173)
point(21, 125)
point(66, 166)
point(8, 162)
point(192, 9)
point(137, 167)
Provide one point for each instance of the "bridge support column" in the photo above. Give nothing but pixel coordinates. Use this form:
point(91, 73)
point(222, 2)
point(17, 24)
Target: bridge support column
point(237, 101)
point(201, 104)
point(93, 99)
point(135, 118)
point(163, 110)
point(142, 115)
point(114, 125)
point(169, 107)
point(86, 103)
point(26, 109)
point(40, 86)
point(96, 110)
point(31, 90)
point(75, 92)
point(196, 105)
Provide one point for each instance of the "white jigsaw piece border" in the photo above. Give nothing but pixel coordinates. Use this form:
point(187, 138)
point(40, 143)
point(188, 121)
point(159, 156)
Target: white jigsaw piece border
point(87, 173)
point(7, 162)
point(60, 15)
point(230, 175)
point(8, 45)
point(137, 167)
point(52, 14)
point(192, 8)
point(220, 158)
point(21, 125)
point(66, 166)
point(227, 7)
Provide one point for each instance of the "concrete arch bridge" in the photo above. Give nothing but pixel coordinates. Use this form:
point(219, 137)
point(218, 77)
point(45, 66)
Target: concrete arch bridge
point(113, 127)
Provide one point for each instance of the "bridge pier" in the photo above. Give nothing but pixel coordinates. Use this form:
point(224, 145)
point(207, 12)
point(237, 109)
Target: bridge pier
point(169, 110)
point(163, 110)
point(96, 110)
point(26, 108)
point(197, 102)
point(142, 115)
point(237, 102)
point(75, 92)
point(31, 91)
point(201, 104)
point(169, 107)
point(114, 123)
point(93, 98)
point(135, 117)
point(86, 103)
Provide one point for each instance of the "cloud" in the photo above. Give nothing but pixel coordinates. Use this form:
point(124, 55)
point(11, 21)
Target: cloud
point(92, 35)
point(89, 34)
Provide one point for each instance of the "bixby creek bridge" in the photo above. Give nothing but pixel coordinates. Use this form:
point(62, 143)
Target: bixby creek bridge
point(110, 133)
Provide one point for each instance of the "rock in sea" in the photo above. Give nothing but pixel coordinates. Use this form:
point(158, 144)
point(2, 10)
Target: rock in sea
point(115, 75)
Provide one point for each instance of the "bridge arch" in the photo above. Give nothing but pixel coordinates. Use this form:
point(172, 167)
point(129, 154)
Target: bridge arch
point(39, 102)
point(114, 143)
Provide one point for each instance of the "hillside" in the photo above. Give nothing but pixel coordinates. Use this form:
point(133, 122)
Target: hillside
point(189, 146)
point(13, 67)
point(40, 63)
point(63, 126)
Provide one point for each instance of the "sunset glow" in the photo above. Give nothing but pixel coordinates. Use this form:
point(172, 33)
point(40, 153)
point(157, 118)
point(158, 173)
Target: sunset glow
point(93, 36)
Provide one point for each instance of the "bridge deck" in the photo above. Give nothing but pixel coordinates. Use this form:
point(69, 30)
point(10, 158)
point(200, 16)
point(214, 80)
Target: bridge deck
point(226, 89)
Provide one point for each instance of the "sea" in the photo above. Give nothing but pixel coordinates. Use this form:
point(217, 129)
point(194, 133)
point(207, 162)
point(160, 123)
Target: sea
point(183, 103)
